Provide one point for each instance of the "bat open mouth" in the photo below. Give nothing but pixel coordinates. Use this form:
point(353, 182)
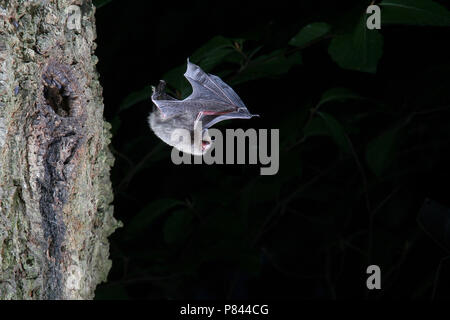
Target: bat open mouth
point(205, 145)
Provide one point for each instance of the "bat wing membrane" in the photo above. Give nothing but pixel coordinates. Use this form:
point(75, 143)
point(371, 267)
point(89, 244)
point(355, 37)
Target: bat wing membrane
point(211, 101)
point(208, 85)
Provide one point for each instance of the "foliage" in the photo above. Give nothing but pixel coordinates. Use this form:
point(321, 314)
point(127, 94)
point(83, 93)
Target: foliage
point(363, 124)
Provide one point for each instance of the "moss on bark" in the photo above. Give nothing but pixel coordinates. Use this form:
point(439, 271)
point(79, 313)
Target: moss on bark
point(55, 191)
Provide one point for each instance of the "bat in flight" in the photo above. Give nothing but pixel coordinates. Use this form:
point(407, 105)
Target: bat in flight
point(211, 101)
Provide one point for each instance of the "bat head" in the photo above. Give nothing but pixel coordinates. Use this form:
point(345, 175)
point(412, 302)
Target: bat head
point(174, 132)
point(193, 145)
point(206, 142)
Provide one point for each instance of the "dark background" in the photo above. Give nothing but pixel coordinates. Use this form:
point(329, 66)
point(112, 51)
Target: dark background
point(353, 175)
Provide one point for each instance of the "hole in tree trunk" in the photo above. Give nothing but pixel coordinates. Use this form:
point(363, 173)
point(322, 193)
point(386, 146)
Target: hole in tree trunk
point(58, 99)
point(61, 90)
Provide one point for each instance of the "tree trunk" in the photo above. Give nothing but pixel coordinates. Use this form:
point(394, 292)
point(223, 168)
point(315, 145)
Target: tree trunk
point(55, 190)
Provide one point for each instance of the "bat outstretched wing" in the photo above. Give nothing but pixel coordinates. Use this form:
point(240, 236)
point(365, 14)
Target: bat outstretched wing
point(211, 101)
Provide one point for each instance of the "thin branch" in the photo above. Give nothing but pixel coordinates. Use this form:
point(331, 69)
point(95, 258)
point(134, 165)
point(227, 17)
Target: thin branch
point(436, 278)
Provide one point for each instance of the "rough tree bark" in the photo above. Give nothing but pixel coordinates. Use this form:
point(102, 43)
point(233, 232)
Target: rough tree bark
point(55, 190)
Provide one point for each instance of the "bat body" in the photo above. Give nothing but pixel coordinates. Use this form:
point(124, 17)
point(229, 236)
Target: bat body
point(211, 101)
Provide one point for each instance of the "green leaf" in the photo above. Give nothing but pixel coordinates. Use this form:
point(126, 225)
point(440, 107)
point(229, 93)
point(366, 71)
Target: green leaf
point(100, 3)
point(175, 79)
point(135, 97)
point(434, 219)
point(270, 65)
point(335, 130)
point(213, 52)
point(310, 33)
point(380, 150)
point(146, 216)
point(316, 127)
point(337, 94)
point(414, 12)
point(359, 50)
point(324, 125)
point(114, 292)
point(115, 125)
point(292, 131)
point(177, 226)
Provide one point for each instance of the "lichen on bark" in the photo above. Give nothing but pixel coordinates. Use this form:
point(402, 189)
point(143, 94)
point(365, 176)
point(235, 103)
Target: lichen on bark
point(55, 191)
